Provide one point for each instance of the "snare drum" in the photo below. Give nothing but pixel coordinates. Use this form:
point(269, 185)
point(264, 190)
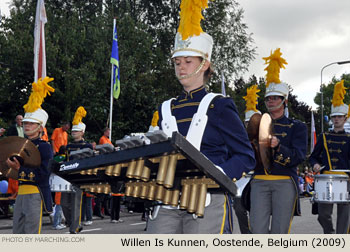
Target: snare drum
point(331, 188)
point(58, 184)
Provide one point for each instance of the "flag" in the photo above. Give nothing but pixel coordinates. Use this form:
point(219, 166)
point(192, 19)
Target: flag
point(115, 64)
point(39, 41)
point(223, 90)
point(313, 133)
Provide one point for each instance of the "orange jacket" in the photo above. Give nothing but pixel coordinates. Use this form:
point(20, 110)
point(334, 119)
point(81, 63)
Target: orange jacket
point(45, 136)
point(60, 137)
point(58, 198)
point(104, 140)
point(12, 186)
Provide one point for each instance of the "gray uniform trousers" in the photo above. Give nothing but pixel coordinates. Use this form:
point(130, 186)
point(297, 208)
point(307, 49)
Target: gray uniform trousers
point(272, 200)
point(217, 219)
point(27, 216)
point(242, 216)
point(325, 218)
point(71, 207)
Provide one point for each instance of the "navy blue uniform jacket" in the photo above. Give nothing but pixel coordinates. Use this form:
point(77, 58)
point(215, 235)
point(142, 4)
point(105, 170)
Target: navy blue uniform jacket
point(225, 141)
point(41, 174)
point(338, 145)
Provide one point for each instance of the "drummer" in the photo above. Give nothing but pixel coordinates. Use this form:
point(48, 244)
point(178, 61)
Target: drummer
point(34, 191)
point(325, 159)
point(224, 141)
point(71, 201)
point(274, 192)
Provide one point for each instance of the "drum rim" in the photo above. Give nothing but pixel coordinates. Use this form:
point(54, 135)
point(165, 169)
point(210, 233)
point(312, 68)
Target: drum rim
point(321, 176)
point(331, 202)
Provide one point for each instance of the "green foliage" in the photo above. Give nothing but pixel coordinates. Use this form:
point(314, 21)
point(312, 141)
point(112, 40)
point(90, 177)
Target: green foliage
point(78, 46)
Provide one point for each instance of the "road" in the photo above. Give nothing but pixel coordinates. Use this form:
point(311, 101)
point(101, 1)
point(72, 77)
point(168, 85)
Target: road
point(306, 224)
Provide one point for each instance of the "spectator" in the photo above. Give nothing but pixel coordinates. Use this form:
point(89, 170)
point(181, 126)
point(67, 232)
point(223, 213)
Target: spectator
point(301, 183)
point(105, 138)
point(309, 182)
point(60, 137)
point(86, 211)
point(17, 128)
point(115, 202)
point(2, 131)
point(45, 136)
point(57, 219)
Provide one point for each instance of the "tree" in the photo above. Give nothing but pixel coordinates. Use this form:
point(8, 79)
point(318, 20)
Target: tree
point(78, 47)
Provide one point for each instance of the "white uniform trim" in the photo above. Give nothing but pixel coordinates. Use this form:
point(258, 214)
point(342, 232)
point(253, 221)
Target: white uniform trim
point(196, 130)
point(198, 124)
point(168, 123)
point(199, 121)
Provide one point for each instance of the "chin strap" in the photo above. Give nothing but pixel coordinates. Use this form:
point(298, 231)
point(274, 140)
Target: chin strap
point(275, 107)
point(194, 73)
point(32, 131)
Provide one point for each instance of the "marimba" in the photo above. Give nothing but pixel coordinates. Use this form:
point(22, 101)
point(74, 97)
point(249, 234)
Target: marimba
point(158, 171)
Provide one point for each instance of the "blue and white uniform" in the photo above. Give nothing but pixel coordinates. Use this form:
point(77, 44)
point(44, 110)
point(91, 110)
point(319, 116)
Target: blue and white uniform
point(225, 143)
point(275, 193)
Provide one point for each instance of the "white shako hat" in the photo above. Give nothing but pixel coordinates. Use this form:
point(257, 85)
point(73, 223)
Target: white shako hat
point(280, 89)
point(338, 106)
point(34, 112)
point(77, 123)
point(79, 127)
point(200, 46)
point(191, 40)
point(38, 116)
point(273, 84)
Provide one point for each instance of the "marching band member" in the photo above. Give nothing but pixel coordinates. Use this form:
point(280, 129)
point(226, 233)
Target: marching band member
point(332, 150)
point(224, 140)
point(71, 201)
point(251, 101)
point(274, 192)
point(34, 194)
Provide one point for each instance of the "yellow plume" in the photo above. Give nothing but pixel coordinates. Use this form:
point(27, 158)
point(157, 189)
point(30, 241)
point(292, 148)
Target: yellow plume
point(155, 119)
point(339, 93)
point(190, 17)
point(251, 98)
point(79, 114)
point(275, 63)
point(40, 90)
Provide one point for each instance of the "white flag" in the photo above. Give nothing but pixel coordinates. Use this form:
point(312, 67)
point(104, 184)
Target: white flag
point(39, 41)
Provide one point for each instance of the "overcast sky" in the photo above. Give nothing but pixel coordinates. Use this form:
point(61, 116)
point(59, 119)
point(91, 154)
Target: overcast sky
point(310, 33)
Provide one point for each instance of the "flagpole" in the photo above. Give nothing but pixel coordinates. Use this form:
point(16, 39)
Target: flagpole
point(39, 41)
point(223, 89)
point(313, 133)
point(111, 100)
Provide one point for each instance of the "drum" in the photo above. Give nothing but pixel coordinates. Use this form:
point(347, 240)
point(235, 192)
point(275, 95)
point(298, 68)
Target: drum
point(331, 188)
point(241, 184)
point(58, 184)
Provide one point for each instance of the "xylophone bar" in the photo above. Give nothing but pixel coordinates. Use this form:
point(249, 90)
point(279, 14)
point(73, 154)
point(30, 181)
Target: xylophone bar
point(203, 163)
